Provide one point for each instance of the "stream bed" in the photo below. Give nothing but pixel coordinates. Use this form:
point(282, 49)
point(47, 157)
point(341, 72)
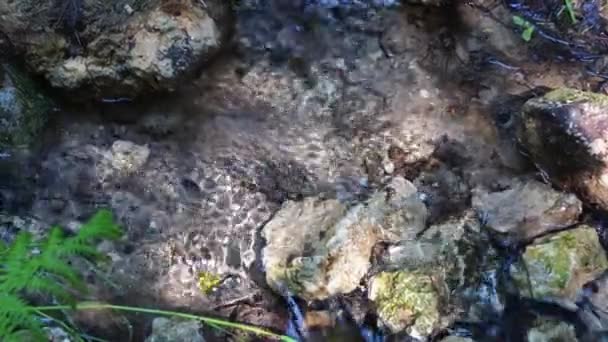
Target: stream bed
point(343, 171)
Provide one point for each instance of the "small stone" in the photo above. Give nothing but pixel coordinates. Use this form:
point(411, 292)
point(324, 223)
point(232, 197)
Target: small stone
point(389, 167)
point(128, 156)
point(170, 330)
point(528, 210)
point(128, 9)
point(558, 265)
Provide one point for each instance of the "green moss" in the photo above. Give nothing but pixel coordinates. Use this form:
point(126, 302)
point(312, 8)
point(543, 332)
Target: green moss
point(554, 263)
point(406, 299)
point(208, 281)
point(568, 95)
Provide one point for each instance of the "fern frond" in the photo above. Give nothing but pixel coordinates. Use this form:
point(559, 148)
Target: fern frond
point(100, 226)
point(15, 317)
point(42, 267)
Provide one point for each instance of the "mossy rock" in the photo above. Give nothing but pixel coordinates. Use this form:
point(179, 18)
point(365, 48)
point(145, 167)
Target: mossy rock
point(558, 265)
point(24, 109)
point(406, 300)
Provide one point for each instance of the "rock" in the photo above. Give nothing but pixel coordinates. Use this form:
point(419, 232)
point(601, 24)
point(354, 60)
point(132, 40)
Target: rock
point(558, 265)
point(127, 156)
point(24, 109)
point(318, 248)
point(453, 338)
point(169, 330)
point(564, 133)
point(56, 334)
point(550, 331)
point(406, 300)
point(447, 273)
point(94, 49)
point(527, 210)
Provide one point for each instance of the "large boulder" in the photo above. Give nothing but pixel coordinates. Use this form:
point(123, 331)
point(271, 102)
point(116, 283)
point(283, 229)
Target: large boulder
point(102, 49)
point(565, 134)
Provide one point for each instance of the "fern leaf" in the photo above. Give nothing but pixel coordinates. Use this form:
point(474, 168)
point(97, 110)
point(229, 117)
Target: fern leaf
point(42, 267)
point(15, 317)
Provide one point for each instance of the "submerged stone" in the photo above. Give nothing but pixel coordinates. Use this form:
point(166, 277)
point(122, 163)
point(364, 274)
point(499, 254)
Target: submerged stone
point(558, 265)
point(527, 210)
point(24, 109)
point(318, 248)
point(565, 134)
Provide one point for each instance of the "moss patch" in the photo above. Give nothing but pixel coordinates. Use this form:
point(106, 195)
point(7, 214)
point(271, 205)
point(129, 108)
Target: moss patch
point(406, 300)
point(208, 281)
point(559, 264)
point(569, 95)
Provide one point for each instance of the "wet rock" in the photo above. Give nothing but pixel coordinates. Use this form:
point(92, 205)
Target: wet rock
point(457, 339)
point(558, 265)
point(24, 109)
point(406, 300)
point(448, 272)
point(550, 330)
point(527, 210)
point(332, 253)
point(94, 49)
point(127, 156)
point(56, 334)
point(564, 133)
point(168, 330)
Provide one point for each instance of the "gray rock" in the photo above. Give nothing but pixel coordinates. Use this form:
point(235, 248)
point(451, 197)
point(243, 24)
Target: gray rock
point(118, 52)
point(527, 210)
point(564, 134)
point(171, 330)
point(318, 248)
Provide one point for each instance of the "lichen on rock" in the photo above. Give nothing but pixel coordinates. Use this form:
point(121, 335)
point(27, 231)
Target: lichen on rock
point(406, 300)
point(559, 264)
